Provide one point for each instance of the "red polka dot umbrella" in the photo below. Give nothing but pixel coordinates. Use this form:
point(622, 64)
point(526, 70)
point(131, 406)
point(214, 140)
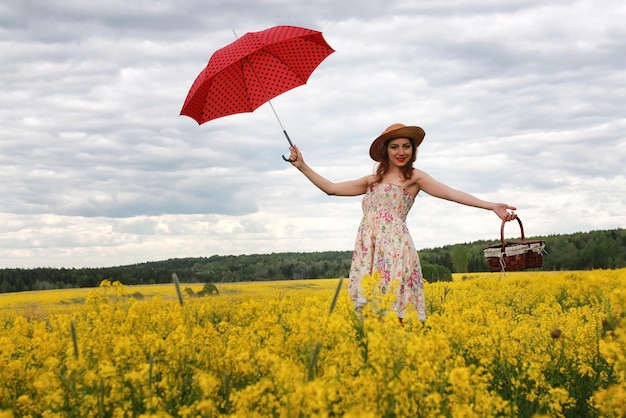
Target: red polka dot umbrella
point(255, 68)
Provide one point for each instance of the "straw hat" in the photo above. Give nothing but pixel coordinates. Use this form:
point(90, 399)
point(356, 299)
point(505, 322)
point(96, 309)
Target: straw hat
point(395, 131)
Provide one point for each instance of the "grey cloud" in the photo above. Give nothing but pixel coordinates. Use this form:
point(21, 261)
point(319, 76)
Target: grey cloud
point(520, 100)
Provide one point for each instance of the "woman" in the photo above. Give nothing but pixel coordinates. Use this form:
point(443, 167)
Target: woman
point(383, 243)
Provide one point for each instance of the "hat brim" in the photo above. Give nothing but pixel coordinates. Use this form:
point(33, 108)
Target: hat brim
point(413, 132)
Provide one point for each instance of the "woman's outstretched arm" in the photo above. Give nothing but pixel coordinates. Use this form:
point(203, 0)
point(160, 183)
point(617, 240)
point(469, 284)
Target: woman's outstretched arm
point(346, 188)
point(442, 191)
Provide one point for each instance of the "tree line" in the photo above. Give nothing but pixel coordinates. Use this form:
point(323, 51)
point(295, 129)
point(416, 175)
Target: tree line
point(604, 249)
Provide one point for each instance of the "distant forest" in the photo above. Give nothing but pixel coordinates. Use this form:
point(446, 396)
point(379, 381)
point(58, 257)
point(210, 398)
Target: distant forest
point(604, 249)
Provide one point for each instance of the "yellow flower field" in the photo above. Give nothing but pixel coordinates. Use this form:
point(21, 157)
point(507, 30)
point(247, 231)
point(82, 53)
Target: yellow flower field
point(524, 344)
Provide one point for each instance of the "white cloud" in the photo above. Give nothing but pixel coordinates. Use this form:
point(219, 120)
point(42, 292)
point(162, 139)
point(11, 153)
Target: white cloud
point(521, 102)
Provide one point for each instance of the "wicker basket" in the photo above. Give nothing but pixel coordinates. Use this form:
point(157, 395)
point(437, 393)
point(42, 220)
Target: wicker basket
point(515, 255)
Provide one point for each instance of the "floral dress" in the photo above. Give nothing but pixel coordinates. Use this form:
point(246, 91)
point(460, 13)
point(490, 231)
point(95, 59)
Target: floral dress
point(384, 245)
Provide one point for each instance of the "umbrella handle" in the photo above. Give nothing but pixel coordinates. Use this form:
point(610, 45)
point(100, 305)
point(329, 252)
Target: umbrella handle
point(290, 144)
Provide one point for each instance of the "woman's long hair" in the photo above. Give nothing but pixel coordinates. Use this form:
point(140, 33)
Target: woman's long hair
point(383, 166)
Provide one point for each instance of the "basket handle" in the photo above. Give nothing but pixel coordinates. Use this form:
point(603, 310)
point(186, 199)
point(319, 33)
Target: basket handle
point(521, 227)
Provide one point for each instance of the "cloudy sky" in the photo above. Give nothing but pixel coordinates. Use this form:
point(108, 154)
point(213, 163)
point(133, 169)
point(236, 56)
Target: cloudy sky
point(523, 102)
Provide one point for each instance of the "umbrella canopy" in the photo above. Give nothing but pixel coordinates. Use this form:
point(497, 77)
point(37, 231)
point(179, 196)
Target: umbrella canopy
point(255, 68)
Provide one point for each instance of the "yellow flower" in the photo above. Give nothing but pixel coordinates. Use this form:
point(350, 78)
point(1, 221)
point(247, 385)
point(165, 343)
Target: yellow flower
point(272, 349)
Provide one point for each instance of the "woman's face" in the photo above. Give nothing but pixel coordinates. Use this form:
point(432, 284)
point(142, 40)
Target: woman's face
point(399, 151)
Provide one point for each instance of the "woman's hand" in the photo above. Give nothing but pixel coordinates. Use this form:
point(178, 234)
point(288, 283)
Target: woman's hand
point(504, 211)
point(296, 157)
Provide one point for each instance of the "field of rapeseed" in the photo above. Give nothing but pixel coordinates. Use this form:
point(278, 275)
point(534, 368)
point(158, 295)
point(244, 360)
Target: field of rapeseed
point(525, 344)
